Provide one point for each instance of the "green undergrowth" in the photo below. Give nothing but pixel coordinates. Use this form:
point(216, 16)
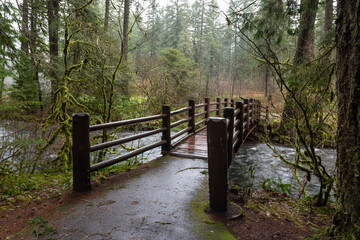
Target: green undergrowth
point(127, 165)
point(277, 206)
point(19, 189)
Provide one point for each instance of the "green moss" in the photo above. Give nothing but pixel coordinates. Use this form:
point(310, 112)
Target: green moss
point(205, 225)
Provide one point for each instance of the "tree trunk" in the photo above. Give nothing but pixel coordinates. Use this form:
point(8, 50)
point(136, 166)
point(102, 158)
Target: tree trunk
point(201, 39)
point(25, 27)
point(267, 76)
point(304, 53)
point(107, 12)
point(125, 44)
point(33, 47)
point(347, 218)
point(125, 47)
point(305, 44)
point(53, 22)
point(328, 16)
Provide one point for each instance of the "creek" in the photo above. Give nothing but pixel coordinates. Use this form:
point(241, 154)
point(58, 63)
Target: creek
point(265, 165)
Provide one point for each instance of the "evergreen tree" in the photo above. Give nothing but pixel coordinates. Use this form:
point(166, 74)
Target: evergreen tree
point(8, 50)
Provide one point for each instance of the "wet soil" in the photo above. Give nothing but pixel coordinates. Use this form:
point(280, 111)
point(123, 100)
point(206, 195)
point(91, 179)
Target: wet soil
point(272, 215)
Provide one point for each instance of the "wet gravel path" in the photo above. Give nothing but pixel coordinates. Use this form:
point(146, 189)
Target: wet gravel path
point(153, 205)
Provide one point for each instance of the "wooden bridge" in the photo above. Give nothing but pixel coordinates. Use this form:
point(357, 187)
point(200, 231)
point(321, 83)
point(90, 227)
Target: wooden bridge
point(210, 130)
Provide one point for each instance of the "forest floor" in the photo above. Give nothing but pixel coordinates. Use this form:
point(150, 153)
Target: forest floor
point(273, 215)
point(265, 215)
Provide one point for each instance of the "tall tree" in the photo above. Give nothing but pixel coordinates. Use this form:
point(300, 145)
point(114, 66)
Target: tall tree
point(306, 40)
point(347, 218)
point(328, 16)
point(107, 14)
point(8, 37)
point(53, 24)
point(25, 27)
point(198, 10)
point(304, 53)
point(177, 27)
point(34, 38)
point(125, 43)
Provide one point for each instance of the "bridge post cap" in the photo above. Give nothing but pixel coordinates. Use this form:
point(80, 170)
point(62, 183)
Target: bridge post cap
point(80, 114)
point(216, 119)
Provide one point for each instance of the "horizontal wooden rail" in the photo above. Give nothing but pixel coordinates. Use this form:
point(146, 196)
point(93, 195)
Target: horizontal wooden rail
point(200, 114)
point(181, 110)
point(125, 122)
point(177, 123)
point(124, 157)
point(185, 130)
point(200, 105)
point(125, 140)
point(200, 122)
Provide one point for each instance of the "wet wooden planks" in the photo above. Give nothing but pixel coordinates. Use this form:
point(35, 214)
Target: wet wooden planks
point(194, 147)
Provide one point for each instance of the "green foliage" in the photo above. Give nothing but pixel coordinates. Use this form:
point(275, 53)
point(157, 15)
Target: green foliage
point(19, 188)
point(41, 227)
point(276, 185)
point(179, 75)
point(321, 234)
point(25, 88)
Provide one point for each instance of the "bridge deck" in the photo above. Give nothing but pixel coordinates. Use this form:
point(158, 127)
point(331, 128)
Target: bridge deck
point(193, 147)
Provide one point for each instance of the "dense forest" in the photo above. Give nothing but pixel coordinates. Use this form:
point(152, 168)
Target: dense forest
point(126, 58)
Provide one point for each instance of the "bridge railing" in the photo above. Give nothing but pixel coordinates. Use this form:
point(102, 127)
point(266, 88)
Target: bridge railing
point(195, 116)
point(225, 136)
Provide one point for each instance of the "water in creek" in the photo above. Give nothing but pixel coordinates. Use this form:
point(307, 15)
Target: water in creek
point(266, 166)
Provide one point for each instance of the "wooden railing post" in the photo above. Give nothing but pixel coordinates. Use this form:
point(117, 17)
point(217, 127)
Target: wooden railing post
point(239, 127)
point(252, 111)
point(258, 110)
point(232, 103)
point(81, 152)
point(166, 135)
point(229, 114)
point(217, 163)
point(207, 109)
point(246, 119)
point(218, 106)
point(226, 100)
point(192, 116)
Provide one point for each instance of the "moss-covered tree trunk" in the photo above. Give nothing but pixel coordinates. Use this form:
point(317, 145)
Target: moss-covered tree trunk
point(347, 218)
point(53, 25)
point(304, 53)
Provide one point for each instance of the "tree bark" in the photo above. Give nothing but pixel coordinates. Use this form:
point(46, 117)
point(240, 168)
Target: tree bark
point(305, 45)
point(125, 47)
point(125, 44)
point(267, 76)
point(33, 46)
point(328, 16)
point(53, 22)
point(107, 12)
point(201, 38)
point(304, 53)
point(347, 218)
point(25, 27)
